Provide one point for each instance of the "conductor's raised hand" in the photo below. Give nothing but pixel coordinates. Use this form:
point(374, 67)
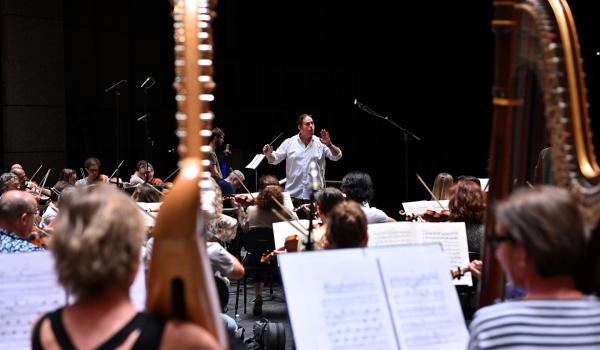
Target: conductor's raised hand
point(267, 150)
point(325, 137)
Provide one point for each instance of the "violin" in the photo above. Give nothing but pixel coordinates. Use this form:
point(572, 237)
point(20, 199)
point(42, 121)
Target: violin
point(39, 237)
point(290, 245)
point(244, 200)
point(165, 185)
point(430, 216)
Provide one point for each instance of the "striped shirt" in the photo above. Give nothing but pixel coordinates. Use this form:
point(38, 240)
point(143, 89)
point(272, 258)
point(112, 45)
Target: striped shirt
point(534, 324)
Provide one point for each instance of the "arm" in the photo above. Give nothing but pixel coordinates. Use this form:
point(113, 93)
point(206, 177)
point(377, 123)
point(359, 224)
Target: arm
point(336, 152)
point(275, 157)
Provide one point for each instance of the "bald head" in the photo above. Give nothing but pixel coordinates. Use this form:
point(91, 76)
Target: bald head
point(16, 166)
point(19, 172)
point(17, 212)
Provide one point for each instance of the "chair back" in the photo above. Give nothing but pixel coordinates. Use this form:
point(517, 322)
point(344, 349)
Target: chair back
point(258, 241)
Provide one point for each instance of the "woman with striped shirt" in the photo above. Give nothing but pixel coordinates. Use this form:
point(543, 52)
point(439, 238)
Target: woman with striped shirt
point(540, 241)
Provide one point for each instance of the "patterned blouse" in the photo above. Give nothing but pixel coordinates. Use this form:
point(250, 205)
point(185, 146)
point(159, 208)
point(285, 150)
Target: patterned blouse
point(11, 243)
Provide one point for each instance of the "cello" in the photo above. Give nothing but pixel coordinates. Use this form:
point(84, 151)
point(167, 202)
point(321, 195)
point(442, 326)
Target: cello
point(181, 281)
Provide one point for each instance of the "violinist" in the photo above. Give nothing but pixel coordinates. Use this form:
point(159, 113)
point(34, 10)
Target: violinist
point(232, 182)
point(59, 192)
point(8, 181)
point(468, 204)
point(23, 180)
point(67, 175)
point(441, 186)
point(358, 186)
point(144, 173)
point(347, 227)
point(92, 167)
point(18, 211)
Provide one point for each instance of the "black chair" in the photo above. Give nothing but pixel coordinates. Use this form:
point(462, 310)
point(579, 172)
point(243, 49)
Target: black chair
point(223, 291)
point(257, 242)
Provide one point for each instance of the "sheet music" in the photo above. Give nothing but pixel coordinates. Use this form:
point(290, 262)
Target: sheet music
point(452, 236)
point(341, 306)
point(29, 289)
point(484, 184)
point(255, 162)
point(420, 207)
point(373, 298)
point(424, 303)
point(282, 229)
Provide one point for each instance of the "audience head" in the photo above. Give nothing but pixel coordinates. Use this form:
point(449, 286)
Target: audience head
point(467, 202)
point(266, 198)
point(8, 181)
point(18, 210)
point(441, 186)
point(347, 226)
point(541, 228)
point(327, 200)
point(358, 186)
point(145, 193)
point(97, 241)
point(68, 175)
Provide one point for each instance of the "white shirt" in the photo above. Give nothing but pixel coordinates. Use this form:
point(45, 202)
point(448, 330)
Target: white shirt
point(298, 162)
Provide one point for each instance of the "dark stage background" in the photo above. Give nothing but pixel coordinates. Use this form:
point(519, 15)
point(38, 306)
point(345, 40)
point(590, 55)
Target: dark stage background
point(426, 65)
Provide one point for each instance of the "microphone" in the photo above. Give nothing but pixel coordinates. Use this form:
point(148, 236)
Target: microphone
point(145, 83)
point(143, 117)
point(116, 85)
point(314, 176)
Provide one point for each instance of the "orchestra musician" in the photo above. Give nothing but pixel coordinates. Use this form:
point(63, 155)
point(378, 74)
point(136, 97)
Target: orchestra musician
point(347, 227)
point(8, 182)
point(92, 167)
point(144, 173)
point(67, 175)
point(96, 262)
point(441, 186)
point(216, 140)
point(538, 240)
point(231, 183)
point(18, 211)
point(299, 151)
point(358, 186)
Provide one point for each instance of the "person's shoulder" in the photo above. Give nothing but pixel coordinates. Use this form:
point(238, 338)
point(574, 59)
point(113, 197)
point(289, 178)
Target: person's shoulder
point(187, 335)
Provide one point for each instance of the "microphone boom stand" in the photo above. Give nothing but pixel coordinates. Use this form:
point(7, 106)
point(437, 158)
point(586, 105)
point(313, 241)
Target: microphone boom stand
point(117, 89)
point(407, 136)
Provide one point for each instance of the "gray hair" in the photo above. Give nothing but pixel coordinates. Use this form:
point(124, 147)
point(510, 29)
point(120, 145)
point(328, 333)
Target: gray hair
point(236, 174)
point(549, 225)
point(5, 178)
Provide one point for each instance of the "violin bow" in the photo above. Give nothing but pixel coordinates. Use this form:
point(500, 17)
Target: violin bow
point(82, 173)
point(286, 210)
point(44, 182)
point(431, 193)
point(34, 174)
point(242, 182)
point(298, 228)
point(117, 169)
point(171, 174)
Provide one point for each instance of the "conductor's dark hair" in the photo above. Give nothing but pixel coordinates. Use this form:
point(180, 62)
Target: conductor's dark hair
point(358, 186)
point(301, 117)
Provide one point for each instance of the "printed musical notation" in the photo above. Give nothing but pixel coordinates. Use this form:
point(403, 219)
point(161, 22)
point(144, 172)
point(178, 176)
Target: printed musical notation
point(373, 298)
point(452, 236)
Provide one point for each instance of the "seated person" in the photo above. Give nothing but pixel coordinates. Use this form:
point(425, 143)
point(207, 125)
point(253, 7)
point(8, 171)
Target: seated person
point(146, 193)
point(347, 227)
point(52, 210)
point(96, 247)
point(92, 167)
point(231, 183)
point(268, 179)
point(67, 175)
point(441, 186)
point(18, 210)
point(358, 186)
point(144, 173)
point(468, 204)
point(539, 240)
point(8, 182)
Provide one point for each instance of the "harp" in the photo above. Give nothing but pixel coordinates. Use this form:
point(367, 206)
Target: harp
point(540, 101)
point(181, 281)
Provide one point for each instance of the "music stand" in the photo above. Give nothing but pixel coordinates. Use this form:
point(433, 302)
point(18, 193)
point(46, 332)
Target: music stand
point(254, 163)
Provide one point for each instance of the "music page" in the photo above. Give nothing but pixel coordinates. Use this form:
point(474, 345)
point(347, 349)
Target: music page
point(29, 290)
point(376, 298)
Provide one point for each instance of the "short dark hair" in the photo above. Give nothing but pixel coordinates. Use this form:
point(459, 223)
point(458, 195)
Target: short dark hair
point(215, 133)
point(301, 117)
point(266, 180)
point(358, 186)
point(91, 161)
point(142, 164)
point(469, 178)
point(328, 199)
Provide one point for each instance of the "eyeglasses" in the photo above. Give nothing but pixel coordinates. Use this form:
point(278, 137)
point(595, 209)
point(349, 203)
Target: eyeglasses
point(496, 240)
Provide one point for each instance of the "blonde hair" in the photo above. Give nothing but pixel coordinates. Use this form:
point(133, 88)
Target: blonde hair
point(441, 186)
point(97, 241)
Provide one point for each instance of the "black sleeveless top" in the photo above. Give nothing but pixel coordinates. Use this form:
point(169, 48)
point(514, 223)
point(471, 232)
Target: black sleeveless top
point(151, 330)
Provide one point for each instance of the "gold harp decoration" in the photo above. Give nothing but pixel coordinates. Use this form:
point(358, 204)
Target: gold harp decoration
point(545, 32)
point(181, 281)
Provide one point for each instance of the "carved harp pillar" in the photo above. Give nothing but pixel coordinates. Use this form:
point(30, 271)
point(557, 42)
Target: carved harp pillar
point(540, 101)
point(181, 281)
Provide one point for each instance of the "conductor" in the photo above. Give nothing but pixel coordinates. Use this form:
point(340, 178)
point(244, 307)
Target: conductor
point(299, 151)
